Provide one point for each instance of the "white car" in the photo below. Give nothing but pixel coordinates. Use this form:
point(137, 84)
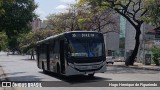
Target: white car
point(119, 59)
point(110, 59)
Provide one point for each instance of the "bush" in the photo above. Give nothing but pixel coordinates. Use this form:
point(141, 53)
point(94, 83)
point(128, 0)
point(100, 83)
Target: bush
point(156, 55)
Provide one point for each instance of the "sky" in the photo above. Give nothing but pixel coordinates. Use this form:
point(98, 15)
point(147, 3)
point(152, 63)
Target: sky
point(46, 7)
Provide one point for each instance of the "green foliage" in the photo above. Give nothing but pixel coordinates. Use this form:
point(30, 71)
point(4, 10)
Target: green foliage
point(58, 22)
point(63, 21)
point(3, 41)
point(82, 23)
point(1, 8)
point(153, 14)
point(93, 16)
point(136, 13)
point(28, 41)
point(150, 8)
point(2, 11)
point(16, 19)
point(17, 16)
point(156, 55)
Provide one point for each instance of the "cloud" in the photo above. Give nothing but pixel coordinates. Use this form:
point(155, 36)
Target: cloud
point(42, 14)
point(61, 7)
point(68, 1)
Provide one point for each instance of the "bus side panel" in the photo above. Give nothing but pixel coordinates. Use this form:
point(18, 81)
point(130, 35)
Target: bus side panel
point(38, 55)
point(62, 60)
point(53, 55)
point(42, 57)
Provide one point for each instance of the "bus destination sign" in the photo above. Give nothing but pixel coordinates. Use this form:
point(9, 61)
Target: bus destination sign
point(85, 35)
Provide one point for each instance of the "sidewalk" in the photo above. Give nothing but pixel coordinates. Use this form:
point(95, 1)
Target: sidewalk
point(2, 75)
point(137, 66)
point(3, 78)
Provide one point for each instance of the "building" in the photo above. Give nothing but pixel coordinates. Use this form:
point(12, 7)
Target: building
point(129, 31)
point(111, 37)
point(111, 40)
point(151, 39)
point(147, 40)
point(38, 24)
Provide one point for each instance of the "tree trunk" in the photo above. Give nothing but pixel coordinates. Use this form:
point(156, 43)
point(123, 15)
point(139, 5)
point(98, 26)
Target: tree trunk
point(131, 59)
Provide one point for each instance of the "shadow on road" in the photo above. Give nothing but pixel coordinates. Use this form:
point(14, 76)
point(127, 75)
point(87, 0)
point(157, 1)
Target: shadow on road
point(77, 79)
point(28, 59)
point(14, 77)
point(15, 73)
point(24, 78)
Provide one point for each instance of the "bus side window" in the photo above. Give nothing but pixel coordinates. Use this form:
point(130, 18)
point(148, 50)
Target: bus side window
point(43, 50)
point(56, 49)
point(40, 49)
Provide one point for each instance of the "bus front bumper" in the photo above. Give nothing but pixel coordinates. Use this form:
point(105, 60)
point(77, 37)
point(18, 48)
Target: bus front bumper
point(72, 69)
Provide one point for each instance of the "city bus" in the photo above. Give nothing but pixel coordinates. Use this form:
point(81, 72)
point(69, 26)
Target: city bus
point(72, 53)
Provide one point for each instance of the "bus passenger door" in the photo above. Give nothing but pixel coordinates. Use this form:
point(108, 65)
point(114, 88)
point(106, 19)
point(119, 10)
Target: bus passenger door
point(62, 60)
point(48, 56)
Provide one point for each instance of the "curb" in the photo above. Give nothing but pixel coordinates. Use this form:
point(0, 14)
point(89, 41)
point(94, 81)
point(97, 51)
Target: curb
point(137, 67)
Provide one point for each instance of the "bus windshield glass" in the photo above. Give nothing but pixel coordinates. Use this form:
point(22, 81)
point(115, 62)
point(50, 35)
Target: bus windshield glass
point(85, 48)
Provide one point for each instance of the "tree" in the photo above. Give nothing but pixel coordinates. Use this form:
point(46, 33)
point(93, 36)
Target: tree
point(95, 18)
point(27, 41)
point(58, 22)
point(3, 41)
point(2, 11)
point(135, 11)
point(62, 22)
point(153, 16)
point(16, 19)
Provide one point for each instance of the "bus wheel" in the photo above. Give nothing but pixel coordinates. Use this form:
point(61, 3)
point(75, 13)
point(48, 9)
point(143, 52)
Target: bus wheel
point(91, 75)
point(58, 70)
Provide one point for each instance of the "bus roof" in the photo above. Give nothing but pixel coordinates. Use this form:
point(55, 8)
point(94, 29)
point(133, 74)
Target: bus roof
point(55, 36)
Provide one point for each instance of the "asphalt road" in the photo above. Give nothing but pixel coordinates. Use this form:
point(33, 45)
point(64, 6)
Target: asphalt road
point(19, 68)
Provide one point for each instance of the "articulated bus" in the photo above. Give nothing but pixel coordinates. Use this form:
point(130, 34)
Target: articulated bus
point(72, 53)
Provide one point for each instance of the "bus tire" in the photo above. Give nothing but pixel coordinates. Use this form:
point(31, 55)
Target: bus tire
point(91, 75)
point(58, 69)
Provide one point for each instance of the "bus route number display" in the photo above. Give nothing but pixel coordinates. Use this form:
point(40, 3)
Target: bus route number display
point(83, 35)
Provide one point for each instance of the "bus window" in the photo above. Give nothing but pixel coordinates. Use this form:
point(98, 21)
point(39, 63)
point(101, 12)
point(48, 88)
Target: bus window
point(87, 48)
point(56, 49)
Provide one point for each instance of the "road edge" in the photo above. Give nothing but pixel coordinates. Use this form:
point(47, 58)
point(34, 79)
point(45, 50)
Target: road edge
point(3, 77)
point(137, 67)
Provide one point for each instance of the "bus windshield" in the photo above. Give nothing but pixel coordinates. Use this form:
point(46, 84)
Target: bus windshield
point(85, 48)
